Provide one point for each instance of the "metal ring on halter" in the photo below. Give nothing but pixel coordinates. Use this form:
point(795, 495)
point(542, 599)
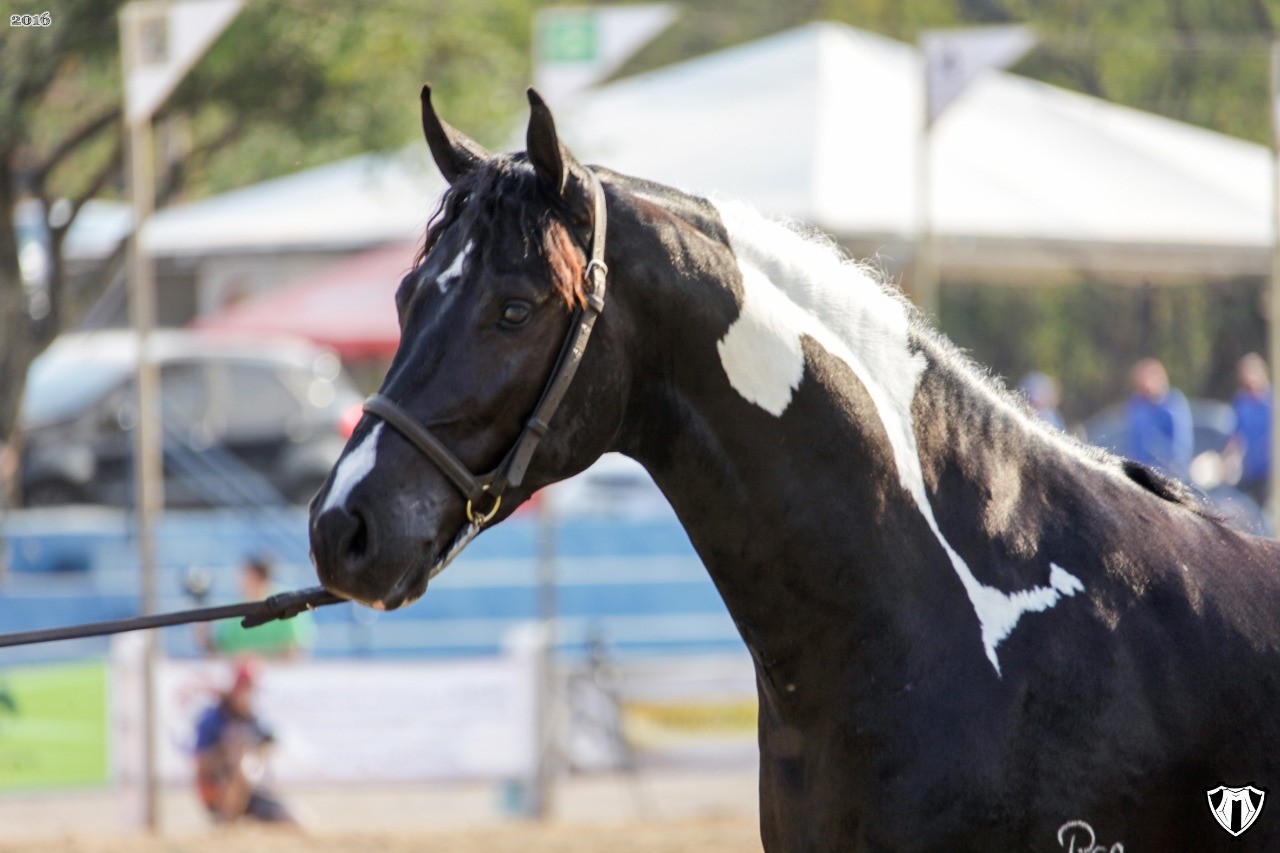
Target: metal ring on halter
point(595, 262)
point(488, 516)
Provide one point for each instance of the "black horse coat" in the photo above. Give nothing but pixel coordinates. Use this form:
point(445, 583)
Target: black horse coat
point(970, 632)
point(1125, 656)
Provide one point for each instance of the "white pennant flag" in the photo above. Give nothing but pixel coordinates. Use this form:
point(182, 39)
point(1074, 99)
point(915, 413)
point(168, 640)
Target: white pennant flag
point(168, 39)
point(575, 48)
point(954, 57)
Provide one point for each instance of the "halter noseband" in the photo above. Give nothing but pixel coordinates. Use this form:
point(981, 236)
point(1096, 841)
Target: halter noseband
point(511, 470)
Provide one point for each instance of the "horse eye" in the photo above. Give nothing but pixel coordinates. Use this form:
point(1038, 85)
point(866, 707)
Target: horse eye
point(515, 313)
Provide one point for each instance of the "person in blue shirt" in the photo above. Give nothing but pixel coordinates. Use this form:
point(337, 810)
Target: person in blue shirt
point(1159, 421)
point(1251, 441)
point(231, 742)
point(1041, 391)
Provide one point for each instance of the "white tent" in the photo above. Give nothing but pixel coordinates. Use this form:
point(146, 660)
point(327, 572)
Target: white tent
point(353, 203)
point(821, 123)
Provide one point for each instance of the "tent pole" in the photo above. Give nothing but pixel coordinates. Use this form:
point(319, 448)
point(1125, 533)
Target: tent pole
point(148, 481)
point(924, 286)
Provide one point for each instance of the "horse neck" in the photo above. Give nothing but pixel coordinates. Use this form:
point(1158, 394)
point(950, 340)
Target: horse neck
point(784, 427)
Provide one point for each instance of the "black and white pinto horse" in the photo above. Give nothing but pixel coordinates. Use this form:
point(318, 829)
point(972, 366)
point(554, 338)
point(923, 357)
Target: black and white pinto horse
point(969, 631)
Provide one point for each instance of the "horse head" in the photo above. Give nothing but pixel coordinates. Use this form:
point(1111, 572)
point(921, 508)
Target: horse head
point(489, 316)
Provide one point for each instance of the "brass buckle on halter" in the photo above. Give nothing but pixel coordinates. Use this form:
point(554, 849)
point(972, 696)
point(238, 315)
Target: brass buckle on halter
point(488, 516)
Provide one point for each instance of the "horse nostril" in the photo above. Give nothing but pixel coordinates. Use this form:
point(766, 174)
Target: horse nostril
point(357, 540)
point(342, 543)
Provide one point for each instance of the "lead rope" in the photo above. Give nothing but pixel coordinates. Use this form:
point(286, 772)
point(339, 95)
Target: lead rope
point(283, 605)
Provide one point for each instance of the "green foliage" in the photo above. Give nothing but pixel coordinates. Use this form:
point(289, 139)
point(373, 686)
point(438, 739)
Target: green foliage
point(301, 84)
point(1087, 335)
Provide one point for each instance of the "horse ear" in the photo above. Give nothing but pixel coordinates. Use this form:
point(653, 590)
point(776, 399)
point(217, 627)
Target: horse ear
point(558, 171)
point(547, 155)
point(455, 153)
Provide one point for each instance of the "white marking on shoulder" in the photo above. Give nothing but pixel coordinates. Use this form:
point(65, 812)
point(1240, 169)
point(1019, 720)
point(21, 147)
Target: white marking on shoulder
point(794, 286)
point(762, 358)
point(353, 468)
point(999, 612)
point(454, 271)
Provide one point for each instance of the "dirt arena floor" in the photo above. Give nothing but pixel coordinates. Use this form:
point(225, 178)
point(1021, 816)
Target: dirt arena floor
point(714, 835)
point(661, 811)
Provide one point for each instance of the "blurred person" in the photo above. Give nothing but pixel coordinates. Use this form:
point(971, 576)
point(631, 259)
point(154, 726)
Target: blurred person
point(281, 638)
point(1250, 444)
point(1041, 391)
point(1159, 421)
point(231, 751)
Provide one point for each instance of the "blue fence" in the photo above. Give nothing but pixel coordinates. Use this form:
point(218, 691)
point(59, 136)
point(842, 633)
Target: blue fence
point(638, 585)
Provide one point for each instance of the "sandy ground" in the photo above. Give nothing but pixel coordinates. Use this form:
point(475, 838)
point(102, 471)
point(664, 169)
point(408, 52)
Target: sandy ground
point(661, 811)
point(719, 835)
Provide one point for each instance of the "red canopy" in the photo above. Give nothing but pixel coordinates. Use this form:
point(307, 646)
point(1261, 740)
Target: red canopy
point(349, 306)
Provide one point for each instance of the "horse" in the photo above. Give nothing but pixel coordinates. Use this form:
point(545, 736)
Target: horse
point(969, 631)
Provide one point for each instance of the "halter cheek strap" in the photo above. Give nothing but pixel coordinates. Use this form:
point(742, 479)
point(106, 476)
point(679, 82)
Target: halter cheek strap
point(512, 468)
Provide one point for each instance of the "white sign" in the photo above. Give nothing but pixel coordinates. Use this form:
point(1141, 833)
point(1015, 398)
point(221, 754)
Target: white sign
point(368, 721)
point(169, 38)
point(953, 58)
point(575, 48)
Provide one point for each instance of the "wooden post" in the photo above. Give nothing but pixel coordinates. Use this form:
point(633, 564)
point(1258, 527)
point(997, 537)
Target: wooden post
point(147, 447)
point(543, 796)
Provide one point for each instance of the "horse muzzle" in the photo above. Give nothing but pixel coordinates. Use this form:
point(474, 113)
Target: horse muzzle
point(353, 560)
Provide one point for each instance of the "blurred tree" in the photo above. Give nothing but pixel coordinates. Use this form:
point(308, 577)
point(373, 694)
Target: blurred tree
point(1088, 334)
point(289, 85)
point(295, 83)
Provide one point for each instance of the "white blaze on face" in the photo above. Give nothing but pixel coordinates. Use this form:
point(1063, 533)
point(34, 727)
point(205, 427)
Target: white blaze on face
point(795, 287)
point(353, 468)
point(454, 270)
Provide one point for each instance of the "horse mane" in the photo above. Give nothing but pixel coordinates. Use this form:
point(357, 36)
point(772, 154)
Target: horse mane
point(979, 383)
point(506, 191)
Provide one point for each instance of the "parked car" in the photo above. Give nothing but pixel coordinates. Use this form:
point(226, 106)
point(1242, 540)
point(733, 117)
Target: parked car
point(245, 422)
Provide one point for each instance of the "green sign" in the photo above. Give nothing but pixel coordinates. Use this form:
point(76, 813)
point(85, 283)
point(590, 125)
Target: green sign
point(53, 726)
point(568, 37)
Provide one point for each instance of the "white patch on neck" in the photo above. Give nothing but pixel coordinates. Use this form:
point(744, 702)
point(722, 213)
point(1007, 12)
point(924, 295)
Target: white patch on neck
point(454, 271)
point(353, 468)
point(793, 286)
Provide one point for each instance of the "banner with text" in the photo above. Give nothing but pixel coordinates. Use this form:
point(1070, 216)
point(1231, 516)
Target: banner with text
point(369, 721)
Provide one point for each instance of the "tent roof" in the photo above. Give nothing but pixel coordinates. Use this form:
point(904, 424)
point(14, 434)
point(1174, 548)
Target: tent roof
point(821, 123)
point(349, 306)
point(360, 201)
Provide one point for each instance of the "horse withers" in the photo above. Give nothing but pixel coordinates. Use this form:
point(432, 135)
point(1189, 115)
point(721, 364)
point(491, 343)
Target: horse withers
point(969, 631)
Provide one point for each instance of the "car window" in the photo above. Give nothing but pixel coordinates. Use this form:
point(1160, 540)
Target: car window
point(260, 402)
point(184, 397)
point(60, 388)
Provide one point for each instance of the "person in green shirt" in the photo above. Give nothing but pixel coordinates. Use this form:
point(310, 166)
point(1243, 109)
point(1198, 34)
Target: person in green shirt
point(282, 638)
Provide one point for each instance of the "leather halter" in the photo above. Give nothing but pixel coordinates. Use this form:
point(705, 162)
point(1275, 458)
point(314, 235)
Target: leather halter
point(511, 470)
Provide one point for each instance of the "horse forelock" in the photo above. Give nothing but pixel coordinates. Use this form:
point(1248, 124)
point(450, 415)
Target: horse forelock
point(503, 205)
